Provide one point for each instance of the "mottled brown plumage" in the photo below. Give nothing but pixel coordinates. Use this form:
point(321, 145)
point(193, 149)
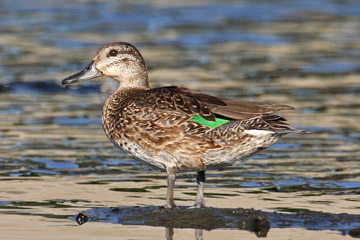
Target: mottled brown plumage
point(170, 127)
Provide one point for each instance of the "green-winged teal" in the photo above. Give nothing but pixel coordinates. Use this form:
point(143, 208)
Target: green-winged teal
point(175, 128)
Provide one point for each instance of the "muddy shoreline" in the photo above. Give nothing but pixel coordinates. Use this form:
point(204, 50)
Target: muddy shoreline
point(259, 222)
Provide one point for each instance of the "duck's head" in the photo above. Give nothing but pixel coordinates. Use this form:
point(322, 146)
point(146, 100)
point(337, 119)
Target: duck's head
point(118, 60)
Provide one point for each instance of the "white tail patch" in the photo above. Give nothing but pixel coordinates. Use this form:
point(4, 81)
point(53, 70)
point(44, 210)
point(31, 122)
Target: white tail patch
point(259, 133)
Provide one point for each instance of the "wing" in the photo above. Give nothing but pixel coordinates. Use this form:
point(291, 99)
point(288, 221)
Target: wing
point(243, 110)
point(176, 99)
point(250, 115)
point(209, 107)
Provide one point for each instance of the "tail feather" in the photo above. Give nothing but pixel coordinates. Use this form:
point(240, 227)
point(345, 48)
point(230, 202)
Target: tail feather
point(268, 122)
point(282, 127)
point(277, 124)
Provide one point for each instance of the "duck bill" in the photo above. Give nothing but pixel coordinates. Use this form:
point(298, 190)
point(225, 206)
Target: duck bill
point(89, 72)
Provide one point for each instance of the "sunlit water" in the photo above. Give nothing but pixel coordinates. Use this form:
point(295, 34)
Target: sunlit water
point(56, 161)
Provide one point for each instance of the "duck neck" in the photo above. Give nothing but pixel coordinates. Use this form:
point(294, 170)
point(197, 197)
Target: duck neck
point(133, 80)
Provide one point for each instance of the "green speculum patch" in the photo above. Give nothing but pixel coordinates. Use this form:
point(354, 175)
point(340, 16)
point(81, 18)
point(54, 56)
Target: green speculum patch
point(218, 121)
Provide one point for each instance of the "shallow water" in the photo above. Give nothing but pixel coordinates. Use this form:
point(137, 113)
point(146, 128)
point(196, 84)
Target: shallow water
point(56, 161)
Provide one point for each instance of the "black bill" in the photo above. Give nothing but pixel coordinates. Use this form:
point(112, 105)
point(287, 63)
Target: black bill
point(89, 72)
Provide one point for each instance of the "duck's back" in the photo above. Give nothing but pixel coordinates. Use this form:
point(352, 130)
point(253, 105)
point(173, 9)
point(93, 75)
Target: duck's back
point(179, 128)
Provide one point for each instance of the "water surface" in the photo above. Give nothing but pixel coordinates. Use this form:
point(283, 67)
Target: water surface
point(56, 161)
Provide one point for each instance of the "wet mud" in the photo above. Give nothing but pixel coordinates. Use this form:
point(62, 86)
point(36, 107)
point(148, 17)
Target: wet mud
point(256, 221)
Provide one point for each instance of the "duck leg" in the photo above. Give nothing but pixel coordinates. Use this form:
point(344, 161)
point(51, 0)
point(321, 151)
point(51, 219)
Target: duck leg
point(199, 202)
point(170, 189)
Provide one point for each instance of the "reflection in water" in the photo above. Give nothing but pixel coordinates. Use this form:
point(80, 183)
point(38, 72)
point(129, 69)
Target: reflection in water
point(169, 234)
point(198, 234)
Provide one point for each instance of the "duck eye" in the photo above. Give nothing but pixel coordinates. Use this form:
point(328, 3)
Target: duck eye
point(113, 52)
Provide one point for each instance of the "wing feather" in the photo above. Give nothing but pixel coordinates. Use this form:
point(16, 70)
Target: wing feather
point(252, 115)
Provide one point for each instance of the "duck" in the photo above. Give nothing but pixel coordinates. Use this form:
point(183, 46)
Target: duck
point(174, 128)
